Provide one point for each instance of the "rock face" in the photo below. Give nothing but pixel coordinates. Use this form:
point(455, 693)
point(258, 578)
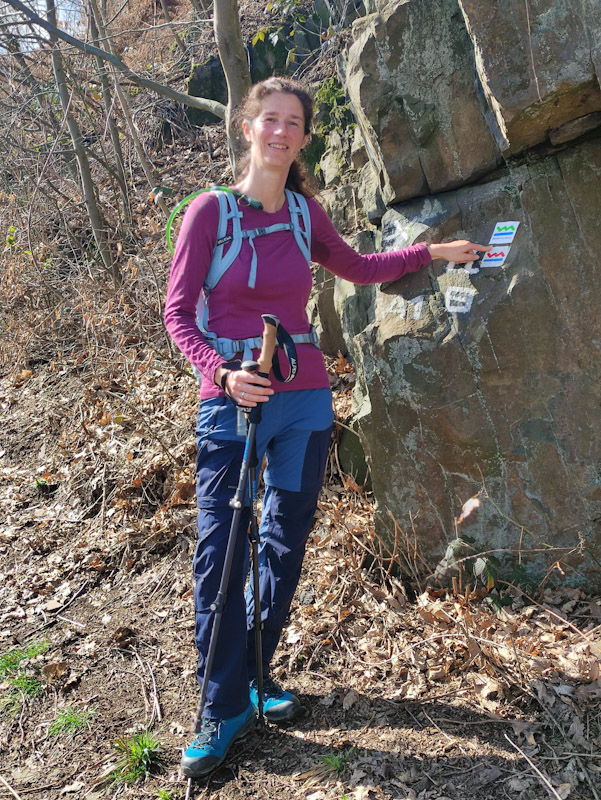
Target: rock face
point(442, 89)
point(505, 394)
point(410, 78)
point(538, 63)
point(473, 115)
point(206, 80)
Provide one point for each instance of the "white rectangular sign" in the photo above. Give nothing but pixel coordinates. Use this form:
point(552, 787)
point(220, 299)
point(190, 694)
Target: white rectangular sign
point(458, 299)
point(504, 232)
point(495, 257)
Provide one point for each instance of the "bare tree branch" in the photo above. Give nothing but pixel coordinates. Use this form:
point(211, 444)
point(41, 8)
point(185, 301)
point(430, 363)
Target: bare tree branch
point(146, 165)
point(212, 106)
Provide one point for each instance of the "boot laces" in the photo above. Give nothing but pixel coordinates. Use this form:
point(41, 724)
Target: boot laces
point(210, 727)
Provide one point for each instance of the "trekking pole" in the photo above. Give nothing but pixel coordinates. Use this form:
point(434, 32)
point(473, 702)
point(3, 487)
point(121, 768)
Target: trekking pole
point(254, 539)
point(270, 323)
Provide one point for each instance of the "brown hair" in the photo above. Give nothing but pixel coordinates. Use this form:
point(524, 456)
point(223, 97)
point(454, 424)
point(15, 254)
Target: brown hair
point(298, 180)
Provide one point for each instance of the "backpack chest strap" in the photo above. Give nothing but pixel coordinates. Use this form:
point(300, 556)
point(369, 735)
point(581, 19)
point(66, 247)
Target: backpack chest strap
point(251, 236)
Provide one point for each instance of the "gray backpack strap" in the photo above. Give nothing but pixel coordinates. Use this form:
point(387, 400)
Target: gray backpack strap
point(229, 348)
point(251, 234)
point(222, 260)
point(299, 210)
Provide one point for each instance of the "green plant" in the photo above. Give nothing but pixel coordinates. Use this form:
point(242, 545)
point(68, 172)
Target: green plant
point(169, 794)
point(10, 704)
point(21, 686)
point(463, 557)
point(11, 240)
point(70, 721)
point(333, 114)
point(475, 568)
point(338, 762)
point(11, 660)
point(140, 756)
point(287, 11)
point(334, 108)
point(28, 685)
point(287, 8)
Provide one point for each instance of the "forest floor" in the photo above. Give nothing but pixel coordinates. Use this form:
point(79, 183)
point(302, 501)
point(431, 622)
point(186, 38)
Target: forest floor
point(420, 694)
point(408, 689)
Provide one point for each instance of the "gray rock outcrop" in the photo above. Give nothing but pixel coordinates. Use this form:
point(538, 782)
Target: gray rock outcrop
point(473, 115)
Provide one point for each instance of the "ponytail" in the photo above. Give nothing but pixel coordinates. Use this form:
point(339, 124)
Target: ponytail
point(298, 180)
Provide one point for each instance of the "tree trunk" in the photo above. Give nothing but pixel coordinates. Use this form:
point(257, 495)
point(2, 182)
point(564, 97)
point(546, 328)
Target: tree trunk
point(234, 60)
point(89, 193)
point(151, 176)
point(176, 36)
point(114, 133)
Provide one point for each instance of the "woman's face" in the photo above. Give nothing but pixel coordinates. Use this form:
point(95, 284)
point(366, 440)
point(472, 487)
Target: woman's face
point(277, 134)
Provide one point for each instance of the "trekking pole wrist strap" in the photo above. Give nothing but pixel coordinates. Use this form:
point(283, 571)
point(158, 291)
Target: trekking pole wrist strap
point(227, 367)
point(285, 341)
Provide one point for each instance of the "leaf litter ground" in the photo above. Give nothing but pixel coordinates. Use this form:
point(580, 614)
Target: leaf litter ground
point(406, 691)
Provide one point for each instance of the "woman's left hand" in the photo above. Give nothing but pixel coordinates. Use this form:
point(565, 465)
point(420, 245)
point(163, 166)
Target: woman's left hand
point(458, 251)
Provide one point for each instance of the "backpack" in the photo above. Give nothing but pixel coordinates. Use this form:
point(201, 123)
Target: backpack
point(228, 248)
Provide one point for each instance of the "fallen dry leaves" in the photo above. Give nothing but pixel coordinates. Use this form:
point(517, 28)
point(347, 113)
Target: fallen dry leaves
point(421, 695)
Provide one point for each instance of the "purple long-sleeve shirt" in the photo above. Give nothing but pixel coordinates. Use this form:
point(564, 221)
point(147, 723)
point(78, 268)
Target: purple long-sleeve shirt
point(283, 285)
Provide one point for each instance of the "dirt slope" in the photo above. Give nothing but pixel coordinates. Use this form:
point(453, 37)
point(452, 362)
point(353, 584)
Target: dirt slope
point(433, 698)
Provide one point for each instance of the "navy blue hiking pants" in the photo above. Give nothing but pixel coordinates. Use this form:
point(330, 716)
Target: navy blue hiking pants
point(294, 436)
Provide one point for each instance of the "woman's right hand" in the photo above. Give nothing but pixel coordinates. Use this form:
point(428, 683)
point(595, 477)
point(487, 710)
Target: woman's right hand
point(460, 251)
point(247, 388)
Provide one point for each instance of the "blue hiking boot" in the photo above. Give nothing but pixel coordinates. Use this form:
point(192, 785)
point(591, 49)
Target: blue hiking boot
point(210, 746)
point(278, 705)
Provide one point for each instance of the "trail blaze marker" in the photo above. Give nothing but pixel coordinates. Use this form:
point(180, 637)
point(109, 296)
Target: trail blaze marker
point(495, 257)
point(458, 299)
point(504, 232)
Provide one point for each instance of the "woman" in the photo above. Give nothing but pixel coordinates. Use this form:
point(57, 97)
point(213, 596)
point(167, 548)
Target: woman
point(294, 433)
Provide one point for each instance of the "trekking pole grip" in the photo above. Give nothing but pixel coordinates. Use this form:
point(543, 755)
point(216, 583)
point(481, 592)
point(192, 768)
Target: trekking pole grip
point(270, 329)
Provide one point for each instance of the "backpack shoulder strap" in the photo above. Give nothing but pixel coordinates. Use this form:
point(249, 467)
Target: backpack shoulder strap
point(222, 260)
point(300, 218)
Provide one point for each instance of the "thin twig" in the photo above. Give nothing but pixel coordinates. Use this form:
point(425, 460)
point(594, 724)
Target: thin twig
point(440, 730)
point(70, 621)
point(534, 767)
point(557, 725)
point(156, 707)
point(10, 789)
point(551, 613)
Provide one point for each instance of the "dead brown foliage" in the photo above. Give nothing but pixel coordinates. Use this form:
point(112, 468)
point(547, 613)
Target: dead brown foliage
point(408, 691)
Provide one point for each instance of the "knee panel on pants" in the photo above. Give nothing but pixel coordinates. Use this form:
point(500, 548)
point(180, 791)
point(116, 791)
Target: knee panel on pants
point(217, 471)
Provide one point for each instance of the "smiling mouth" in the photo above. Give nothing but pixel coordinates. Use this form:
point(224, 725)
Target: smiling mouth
point(279, 146)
